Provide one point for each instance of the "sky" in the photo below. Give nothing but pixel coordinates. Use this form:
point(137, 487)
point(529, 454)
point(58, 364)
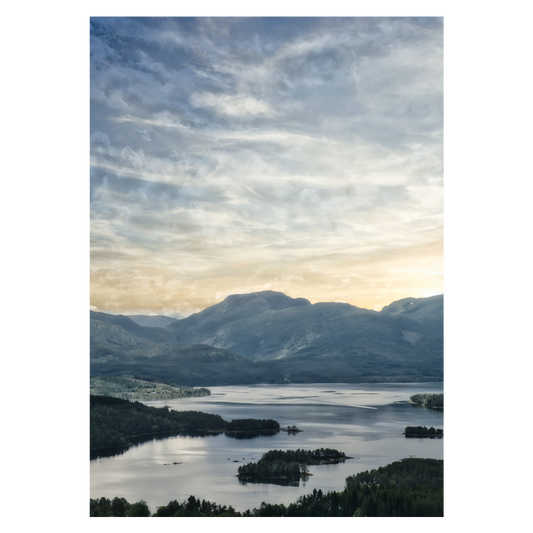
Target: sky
point(235, 155)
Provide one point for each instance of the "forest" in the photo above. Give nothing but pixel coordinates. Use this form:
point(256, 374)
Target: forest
point(433, 401)
point(410, 487)
point(252, 424)
point(276, 472)
point(423, 431)
point(308, 457)
point(113, 421)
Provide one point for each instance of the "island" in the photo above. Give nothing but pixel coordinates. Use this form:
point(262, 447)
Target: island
point(423, 431)
point(432, 401)
point(292, 430)
point(287, 466)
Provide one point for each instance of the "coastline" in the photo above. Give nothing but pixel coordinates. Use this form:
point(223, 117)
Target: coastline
point(181, 431)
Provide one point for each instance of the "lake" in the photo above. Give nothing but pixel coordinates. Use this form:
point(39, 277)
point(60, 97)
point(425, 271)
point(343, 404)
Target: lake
point(365, 421)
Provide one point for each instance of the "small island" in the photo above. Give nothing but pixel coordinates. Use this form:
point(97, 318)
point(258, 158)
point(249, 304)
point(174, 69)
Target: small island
point(292, 429)
point(287, 466)
point(423, 431)
point(432, 401)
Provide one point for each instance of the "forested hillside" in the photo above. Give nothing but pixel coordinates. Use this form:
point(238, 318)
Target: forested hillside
point(114, 421)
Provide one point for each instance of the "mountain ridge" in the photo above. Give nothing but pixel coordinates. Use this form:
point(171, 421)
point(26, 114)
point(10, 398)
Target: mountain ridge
point(270, 336)
point(257, 331)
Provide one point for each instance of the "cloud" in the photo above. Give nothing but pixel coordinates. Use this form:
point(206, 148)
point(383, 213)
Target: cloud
point(234, 152)
point(309, 196)
point(233, 105)
point(100, 138)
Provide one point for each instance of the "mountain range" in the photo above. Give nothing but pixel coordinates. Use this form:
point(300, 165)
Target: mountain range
point(270, 337)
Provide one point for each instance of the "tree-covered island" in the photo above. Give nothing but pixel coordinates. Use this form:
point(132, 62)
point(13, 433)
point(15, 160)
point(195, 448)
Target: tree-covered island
point(113, 421)
point(423, 431)
point(292, 429)
point(282, 466)
point(432, 401)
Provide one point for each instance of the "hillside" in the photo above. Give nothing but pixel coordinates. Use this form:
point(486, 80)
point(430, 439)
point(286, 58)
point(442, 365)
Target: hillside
point(154, 334)
point(251, 326)
point(149, 321)
point(270, 337)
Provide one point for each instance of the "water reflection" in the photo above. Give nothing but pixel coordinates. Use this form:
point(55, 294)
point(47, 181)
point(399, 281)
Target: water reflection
point(137, 441)
point(367, 422)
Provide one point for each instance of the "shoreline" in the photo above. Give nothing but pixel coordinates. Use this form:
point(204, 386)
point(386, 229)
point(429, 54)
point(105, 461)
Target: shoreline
point(176, 432)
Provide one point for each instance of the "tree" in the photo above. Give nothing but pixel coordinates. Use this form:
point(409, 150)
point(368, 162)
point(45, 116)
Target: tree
point(369, 507)
point(119, 506)
point(334, 504)
point(162, 511)
point(193, 505)
point(358, 512)
point(140, 509)
point(103, 507)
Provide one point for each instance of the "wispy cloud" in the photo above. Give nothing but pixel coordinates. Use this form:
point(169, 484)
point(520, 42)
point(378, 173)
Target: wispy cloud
point(300, 154)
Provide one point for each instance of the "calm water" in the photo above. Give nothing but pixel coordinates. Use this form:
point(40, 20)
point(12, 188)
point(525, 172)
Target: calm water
point(365, 421)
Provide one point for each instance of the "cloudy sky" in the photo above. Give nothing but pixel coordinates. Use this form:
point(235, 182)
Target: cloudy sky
point(232, 155)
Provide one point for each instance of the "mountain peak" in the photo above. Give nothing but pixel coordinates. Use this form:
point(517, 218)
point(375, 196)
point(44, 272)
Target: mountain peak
point(274, 300)
point(404, 304)
point(240, 307)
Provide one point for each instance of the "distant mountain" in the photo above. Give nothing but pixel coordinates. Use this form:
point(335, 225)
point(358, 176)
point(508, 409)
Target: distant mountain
point(429, 311)
point(270, 337)
point(147, 321)
point(269, 325)
point(153, 334)
point(234, 308)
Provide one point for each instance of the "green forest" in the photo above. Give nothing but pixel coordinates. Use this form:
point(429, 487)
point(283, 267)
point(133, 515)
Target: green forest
point(277, 472)
point(113, 421)
point(411, 487)
point(433, 401)
point(308, 457)
point(287, 465)
point(423, 431)
point(252, 424)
